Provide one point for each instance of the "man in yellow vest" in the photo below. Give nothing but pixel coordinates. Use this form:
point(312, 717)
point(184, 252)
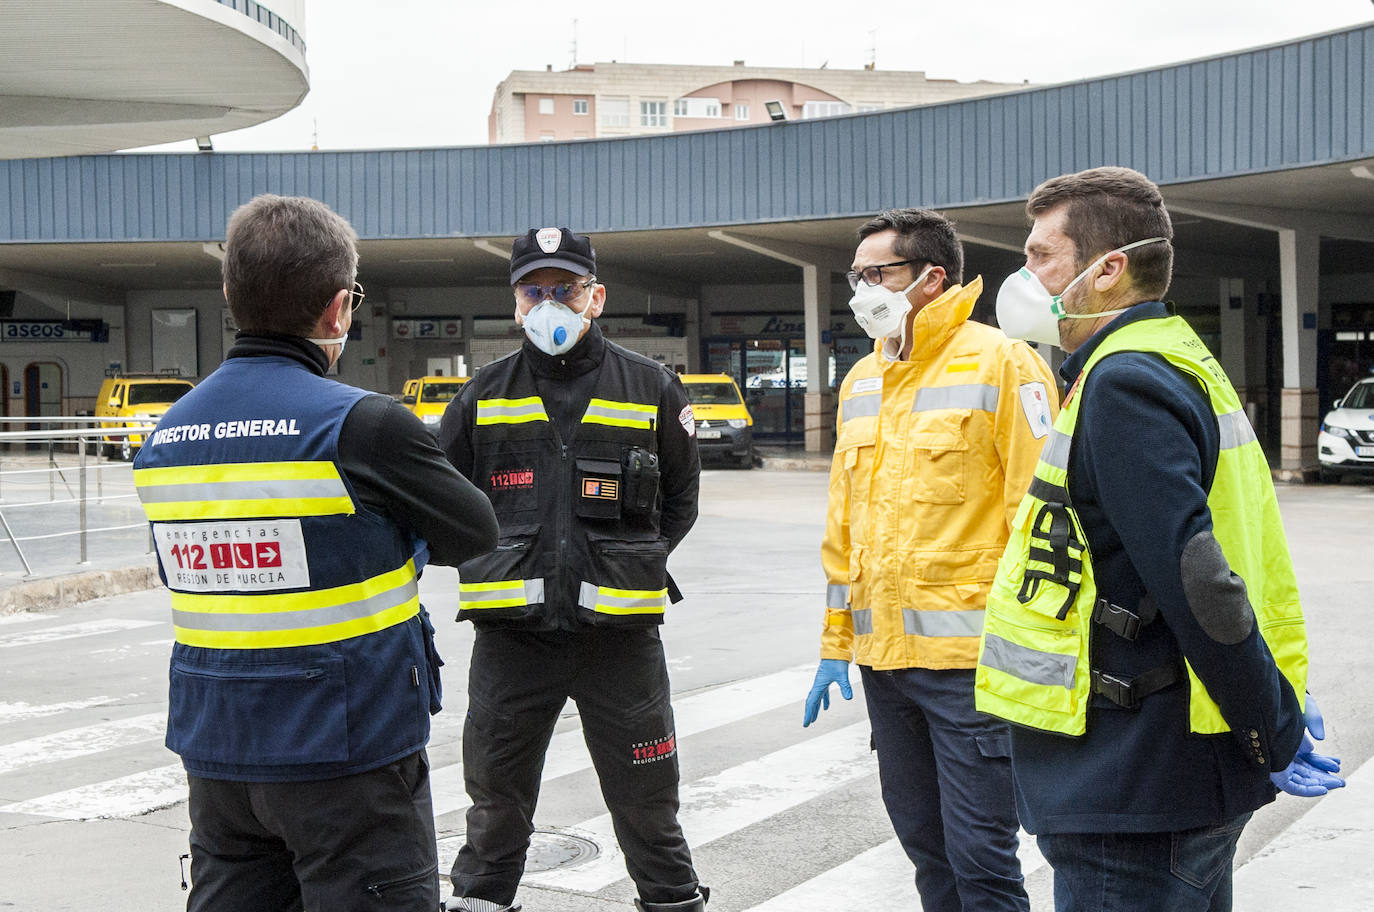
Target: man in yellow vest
point(938, 432)
point(1144, 631)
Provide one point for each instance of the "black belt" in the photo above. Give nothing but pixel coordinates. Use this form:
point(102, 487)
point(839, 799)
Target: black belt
point(1128, 692)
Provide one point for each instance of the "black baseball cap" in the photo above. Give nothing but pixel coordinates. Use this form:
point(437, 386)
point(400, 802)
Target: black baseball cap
point(556, 248)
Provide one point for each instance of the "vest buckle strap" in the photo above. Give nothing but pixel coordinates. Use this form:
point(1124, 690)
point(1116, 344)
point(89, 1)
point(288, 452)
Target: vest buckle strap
point(1129, 692)
point(1121, 621)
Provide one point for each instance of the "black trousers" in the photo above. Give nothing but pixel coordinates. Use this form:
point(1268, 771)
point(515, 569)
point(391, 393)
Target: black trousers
point(362, 842)
point(518, 684)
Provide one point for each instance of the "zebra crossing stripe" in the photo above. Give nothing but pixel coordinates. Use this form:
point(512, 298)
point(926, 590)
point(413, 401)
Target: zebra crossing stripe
point(78, 742)
point(732, 800)
point(127, 796)
point(692, 714)
point(19, 711)
point(71, 631)
point(880, 878)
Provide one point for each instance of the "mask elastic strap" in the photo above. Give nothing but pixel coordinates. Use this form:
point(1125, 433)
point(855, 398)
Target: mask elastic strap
point(1058, 305)
point(335, 341)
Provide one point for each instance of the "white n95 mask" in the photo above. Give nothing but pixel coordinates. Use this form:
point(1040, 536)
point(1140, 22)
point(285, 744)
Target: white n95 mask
point(1026, 310)
point(881, 312)
point(552, 327)
point(340, 341)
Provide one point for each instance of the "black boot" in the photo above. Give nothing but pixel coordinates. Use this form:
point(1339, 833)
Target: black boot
point(695, 904)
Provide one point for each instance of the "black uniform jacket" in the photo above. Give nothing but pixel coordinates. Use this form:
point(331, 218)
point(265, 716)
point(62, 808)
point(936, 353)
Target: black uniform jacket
point(590, 461)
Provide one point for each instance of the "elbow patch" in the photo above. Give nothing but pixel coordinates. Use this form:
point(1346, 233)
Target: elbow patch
point(1216, 596)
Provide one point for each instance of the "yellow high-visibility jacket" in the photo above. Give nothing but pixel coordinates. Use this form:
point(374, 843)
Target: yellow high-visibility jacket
point(932, 458)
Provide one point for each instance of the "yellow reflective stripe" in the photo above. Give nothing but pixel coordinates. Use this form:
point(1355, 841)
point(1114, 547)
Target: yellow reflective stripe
point(273, 620)
point(241, 490)
point(608, 600)
point(620, 414)
point(511, 411)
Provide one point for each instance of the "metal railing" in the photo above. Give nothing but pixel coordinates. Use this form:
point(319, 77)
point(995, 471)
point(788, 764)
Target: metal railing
point(52, 466)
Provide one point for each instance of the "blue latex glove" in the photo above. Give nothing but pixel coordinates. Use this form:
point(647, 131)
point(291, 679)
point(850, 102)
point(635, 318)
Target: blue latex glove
point(1316, 726)
point(832, 671)
point(1310, 773)
point(1316, 729)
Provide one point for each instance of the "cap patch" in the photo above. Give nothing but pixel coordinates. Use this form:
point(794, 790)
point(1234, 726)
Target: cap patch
point(549, 239)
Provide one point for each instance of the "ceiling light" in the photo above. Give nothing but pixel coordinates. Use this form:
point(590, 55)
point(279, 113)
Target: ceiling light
point(427, 260)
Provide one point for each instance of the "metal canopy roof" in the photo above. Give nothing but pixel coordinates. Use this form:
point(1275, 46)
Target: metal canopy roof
point(1274, 136)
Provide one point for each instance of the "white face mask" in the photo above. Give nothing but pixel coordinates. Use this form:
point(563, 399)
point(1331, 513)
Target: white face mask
point(341, 341)
point(1026, 310)
point(881, 312)
point(552, 327)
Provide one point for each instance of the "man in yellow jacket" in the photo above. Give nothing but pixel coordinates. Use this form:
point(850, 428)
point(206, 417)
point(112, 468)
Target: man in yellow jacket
point(939, 431)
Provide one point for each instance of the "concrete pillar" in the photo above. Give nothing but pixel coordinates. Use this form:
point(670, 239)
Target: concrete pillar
point(820, 404)
point(1299, 252)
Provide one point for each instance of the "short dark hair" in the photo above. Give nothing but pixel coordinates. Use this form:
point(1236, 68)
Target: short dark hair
point(923, 236)
point(1109, 208)
point(285, 257)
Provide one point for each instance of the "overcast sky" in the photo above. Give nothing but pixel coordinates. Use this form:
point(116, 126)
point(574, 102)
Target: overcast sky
point(410, 73)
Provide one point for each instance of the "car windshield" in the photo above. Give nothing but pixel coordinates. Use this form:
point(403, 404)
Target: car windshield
point(1361, 396)
point(147, 393)
point(712, 393)
point(439, 392)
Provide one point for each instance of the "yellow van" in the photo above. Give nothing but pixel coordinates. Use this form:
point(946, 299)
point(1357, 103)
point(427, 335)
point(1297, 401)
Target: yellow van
point(427, 397)
point(724, 426)
point(141, 397)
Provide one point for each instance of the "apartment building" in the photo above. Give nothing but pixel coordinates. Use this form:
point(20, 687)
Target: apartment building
point(623, 99)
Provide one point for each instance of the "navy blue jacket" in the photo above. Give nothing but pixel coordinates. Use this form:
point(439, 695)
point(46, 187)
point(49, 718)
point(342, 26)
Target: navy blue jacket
point(318, 711)
point(1143, 458)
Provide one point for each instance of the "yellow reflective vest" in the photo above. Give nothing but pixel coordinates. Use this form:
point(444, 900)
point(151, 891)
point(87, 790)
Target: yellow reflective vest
point(1034, 663)
point(931, 458)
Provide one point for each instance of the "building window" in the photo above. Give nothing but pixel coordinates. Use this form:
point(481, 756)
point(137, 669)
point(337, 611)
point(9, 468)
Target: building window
point(613, 112)
point(696, 107)
point(823, 109)
point(653, 113)
point(864, 107)
point(546, 106)
point(579, 106)
point(547, 136)
point(741, 112)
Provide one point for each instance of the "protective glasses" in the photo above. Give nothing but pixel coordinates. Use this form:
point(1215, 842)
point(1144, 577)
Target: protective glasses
point(358, 295)
point(872, 275)
point(564, 293)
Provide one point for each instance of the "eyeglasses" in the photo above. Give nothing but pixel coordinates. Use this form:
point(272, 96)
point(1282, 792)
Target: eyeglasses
point(564, 293)
point(872, 275)
point(358, 295)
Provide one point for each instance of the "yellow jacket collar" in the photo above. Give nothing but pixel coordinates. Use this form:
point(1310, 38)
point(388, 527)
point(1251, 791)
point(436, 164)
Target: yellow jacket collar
point(937, 321)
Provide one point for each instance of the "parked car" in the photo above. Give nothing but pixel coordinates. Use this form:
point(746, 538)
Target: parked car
point(427, 397)
point(142, 398)
point(724, 426)
point(1345, 445)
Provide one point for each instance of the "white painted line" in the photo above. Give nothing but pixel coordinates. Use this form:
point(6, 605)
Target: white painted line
point(127, 796)
point(78, 742)
point(734, 799)
point(17, 712)
point(1322, 860)
point(879, 878)
point(70, 631)
point(693, 714)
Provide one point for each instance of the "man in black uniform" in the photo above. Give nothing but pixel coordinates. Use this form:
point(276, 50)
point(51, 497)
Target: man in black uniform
point(588, 454)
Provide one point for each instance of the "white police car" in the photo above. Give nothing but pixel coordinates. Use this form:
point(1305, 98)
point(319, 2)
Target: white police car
point(1345, 445)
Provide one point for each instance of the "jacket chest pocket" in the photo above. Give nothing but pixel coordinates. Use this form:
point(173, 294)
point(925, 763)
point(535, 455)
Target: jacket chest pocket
point(937, 457)
point(597, 489)
point(510, 478)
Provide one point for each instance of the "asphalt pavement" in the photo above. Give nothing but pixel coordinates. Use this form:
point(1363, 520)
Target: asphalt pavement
point(92, 806)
